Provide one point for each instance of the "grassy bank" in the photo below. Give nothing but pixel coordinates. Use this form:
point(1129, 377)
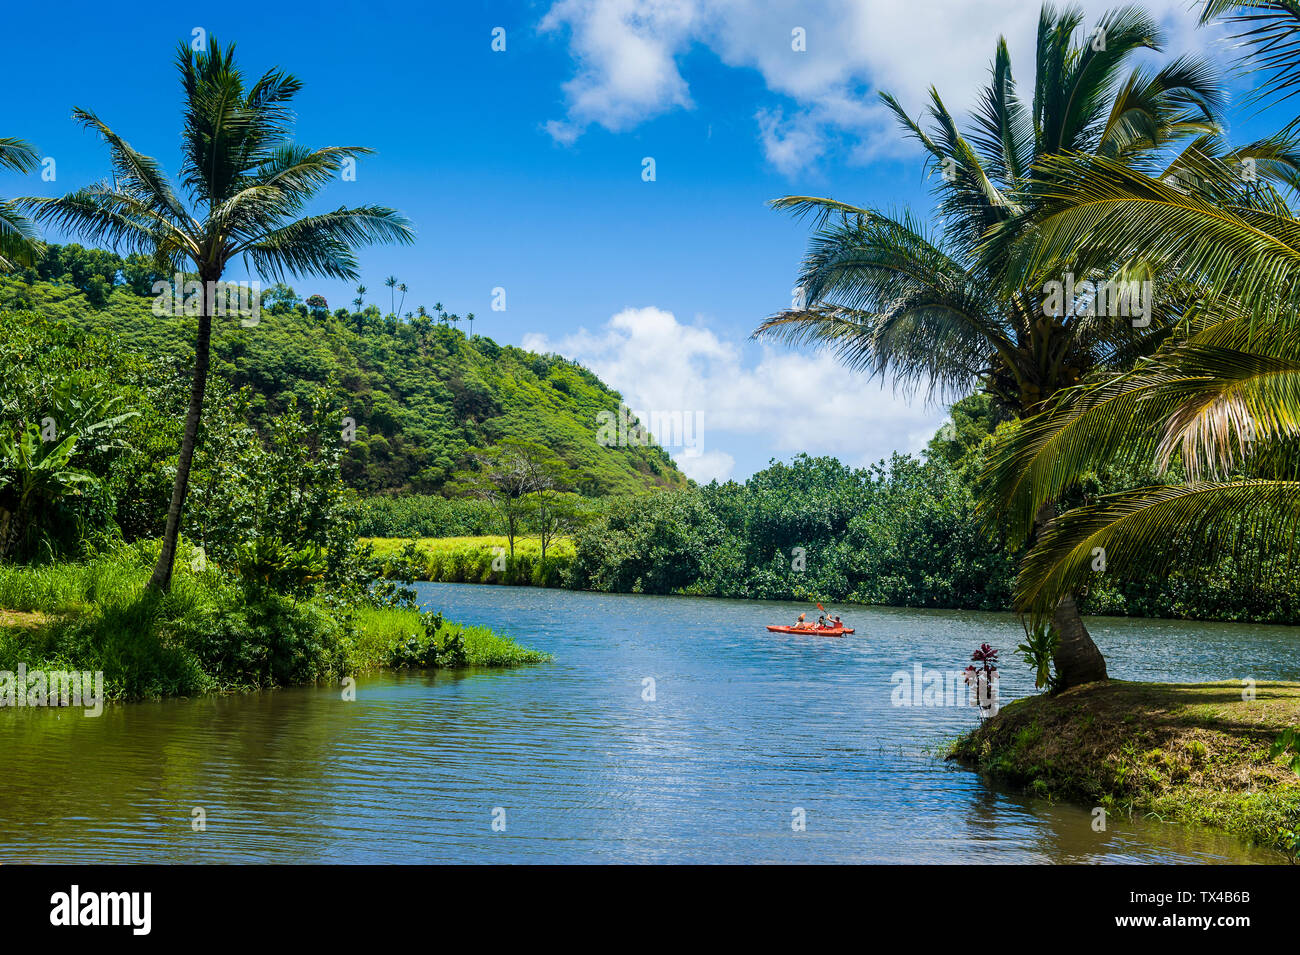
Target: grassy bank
point(1188, 753)
point(474, 560)
point(209, 635)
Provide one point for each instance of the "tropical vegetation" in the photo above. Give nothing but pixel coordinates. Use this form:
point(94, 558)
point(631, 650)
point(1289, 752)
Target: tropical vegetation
point(997, 297)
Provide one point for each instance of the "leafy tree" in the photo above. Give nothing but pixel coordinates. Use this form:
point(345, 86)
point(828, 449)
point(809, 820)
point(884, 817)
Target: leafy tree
point(508, 474)
point(247, 185)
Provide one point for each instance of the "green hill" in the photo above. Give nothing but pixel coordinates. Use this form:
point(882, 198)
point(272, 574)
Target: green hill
point(423, 394)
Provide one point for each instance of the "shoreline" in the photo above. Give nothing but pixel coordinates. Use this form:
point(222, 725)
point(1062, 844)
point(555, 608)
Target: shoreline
point(207, 635)
point(460, 566)
point(1188, 753)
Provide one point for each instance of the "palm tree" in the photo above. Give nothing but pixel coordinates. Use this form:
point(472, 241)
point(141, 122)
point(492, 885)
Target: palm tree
point(391, 282)
point(17, 237)
point(470, 318)
point(1217, 414)
point(1216, 417)
point(402, 288)
point(247, 185)
point(944, 309)
point(361, 295)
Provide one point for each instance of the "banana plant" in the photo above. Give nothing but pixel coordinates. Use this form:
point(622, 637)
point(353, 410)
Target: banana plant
point(34, 473)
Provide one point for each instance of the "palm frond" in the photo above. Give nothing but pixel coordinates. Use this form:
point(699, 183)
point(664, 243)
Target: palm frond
point(322, 244)
point(1134, 533)
point(1270, 31)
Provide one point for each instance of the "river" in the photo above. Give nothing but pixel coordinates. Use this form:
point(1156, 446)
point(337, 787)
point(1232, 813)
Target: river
point(666, 730)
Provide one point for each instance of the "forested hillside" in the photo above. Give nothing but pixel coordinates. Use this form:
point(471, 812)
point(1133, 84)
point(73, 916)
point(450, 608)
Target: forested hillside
point(423, 393)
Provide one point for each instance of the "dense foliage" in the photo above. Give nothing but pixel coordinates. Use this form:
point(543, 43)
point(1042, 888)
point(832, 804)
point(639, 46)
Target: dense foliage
point(901, 533)
point(273, 586)
point(423, 396)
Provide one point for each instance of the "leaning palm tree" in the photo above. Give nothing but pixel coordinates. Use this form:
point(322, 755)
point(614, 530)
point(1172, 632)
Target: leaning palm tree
point(939, 308)
point(247, 186)
point(17, 237)
point(1219, 413)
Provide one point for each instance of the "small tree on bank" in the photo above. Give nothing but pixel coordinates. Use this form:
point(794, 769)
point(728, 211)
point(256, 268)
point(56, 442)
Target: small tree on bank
point(521, 480)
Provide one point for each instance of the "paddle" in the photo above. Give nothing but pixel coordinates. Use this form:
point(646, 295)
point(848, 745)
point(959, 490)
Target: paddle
point(830, 624)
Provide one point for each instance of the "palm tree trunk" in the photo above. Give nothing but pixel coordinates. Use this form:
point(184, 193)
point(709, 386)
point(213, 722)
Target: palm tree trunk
point(1077, 658)
point(162, 573)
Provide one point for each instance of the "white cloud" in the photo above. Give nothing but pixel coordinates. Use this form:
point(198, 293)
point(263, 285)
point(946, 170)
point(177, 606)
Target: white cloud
point(784, 401)
point(707, 466)
point(628, 55)
point(626, 52)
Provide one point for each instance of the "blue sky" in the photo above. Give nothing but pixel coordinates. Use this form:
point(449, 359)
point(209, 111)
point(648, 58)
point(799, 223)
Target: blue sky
point(522, 169)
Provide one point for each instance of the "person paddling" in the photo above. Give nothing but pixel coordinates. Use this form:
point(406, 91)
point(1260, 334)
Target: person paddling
point(802, 623)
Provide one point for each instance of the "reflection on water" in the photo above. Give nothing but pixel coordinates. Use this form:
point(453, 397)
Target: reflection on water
point(745, 728)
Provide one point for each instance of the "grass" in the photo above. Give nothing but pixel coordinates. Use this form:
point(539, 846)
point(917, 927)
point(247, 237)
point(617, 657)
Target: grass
point(484, 648)
point(204, 635)
point(1190, 753)
point(476, 560)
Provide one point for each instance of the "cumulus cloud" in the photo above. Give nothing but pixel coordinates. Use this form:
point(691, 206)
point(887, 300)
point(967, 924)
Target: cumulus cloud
point(784, 401)
point(626, 53)
point(628, 56)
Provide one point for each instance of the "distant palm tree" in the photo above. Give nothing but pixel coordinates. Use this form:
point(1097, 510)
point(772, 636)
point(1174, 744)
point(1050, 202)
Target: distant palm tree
point(17, 237)
point(247, 186)
point(470, 318)
point(361, 295)
point(391, 282)
point(402, 288)
point(946, 311)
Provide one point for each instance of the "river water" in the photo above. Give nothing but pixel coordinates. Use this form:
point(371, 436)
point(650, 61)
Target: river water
point(666, 730)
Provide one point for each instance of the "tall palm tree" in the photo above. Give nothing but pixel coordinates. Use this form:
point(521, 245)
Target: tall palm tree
point(17, 237)
point(247, 186)
point(1220, 409)
point(391, 282)
point(942, 309)
point(401, 288)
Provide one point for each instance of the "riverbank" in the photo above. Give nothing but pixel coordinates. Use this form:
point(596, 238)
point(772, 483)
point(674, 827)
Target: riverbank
point(484, 559)
point(208, 635)
point(1187, 753)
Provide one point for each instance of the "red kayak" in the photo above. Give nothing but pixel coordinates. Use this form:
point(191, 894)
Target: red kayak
point(815, 631)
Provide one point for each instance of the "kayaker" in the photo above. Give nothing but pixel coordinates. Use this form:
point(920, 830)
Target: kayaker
point(802, 623)
point(837, 622)
point(821, 622)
